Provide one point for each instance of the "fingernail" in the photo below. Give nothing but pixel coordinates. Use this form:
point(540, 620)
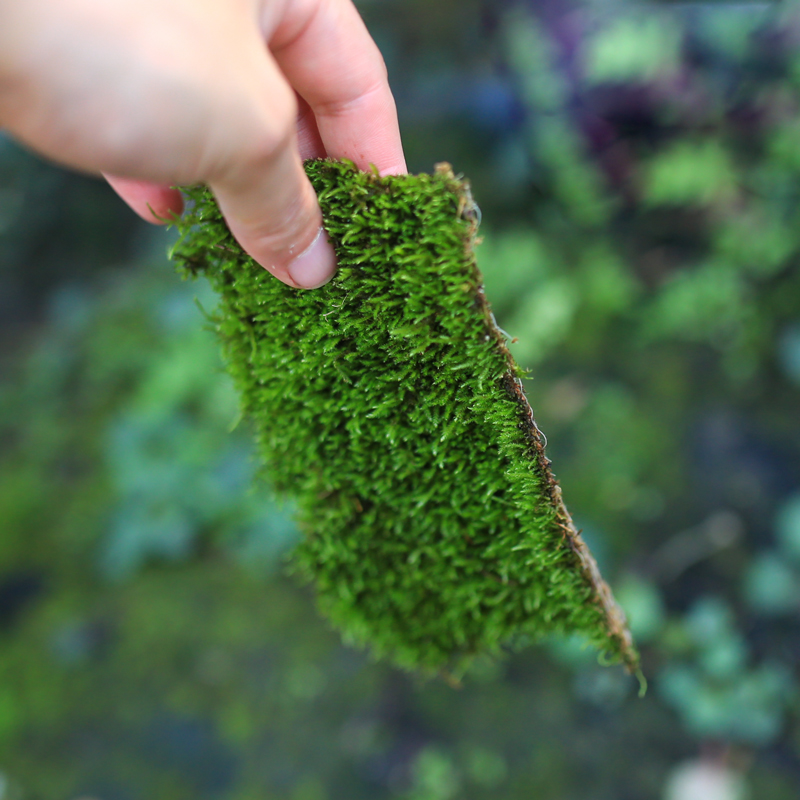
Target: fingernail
point(316, 265)
point(399, 169)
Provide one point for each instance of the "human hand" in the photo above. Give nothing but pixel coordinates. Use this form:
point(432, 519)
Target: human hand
point(231, 93)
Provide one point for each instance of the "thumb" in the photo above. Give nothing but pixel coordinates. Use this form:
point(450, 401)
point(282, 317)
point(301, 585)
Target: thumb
point(272, 211)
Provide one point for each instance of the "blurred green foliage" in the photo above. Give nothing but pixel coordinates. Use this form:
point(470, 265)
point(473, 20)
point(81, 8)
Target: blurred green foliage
point(637, 166)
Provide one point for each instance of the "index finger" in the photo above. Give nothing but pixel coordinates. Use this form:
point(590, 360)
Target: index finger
point(327, 55)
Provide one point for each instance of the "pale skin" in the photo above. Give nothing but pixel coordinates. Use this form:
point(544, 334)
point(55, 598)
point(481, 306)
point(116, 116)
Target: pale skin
point(232, 93)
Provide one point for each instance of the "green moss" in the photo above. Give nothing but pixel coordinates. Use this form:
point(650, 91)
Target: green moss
point(387, 404)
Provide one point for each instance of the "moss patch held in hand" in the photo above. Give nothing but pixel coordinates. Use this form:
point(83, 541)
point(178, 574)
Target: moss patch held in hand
point(387, 404)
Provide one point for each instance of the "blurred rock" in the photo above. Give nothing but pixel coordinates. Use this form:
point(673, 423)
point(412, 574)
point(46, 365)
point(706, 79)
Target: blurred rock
point(704, 780)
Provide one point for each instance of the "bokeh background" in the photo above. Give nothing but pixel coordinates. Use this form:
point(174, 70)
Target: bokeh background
point(638, 168)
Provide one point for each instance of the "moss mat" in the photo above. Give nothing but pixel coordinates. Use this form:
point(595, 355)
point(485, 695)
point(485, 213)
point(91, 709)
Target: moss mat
point(388, 405)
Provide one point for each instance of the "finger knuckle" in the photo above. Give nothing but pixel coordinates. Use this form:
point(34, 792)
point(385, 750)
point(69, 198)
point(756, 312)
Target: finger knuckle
point(273, 129)
point(290, 230)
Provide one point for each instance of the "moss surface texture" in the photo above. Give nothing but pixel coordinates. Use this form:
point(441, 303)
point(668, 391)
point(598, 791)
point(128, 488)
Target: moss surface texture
point(388, 405)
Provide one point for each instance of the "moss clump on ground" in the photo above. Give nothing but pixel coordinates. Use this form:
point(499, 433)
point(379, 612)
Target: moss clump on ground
point(387, 404)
